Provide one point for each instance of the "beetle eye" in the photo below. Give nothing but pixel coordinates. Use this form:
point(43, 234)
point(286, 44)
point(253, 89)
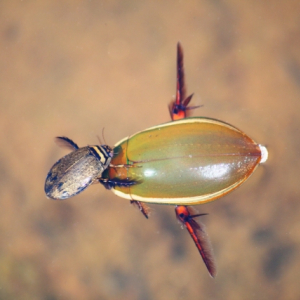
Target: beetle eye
point(110, 152)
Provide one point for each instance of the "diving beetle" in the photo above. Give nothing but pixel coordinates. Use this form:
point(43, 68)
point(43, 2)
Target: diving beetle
point(184, 162)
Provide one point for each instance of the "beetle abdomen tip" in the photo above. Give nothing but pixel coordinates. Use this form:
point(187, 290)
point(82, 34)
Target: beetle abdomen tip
point(264, 153)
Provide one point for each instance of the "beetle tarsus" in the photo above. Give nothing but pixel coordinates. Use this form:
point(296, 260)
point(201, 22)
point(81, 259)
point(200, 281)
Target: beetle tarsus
point(197, 232)
point(63, 141)
point(145, 210)
point(178, 108)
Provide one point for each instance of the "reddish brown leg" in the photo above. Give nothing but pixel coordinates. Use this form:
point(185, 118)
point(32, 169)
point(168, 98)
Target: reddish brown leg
point(196, 229)
point(142, 207)
point(178, 108)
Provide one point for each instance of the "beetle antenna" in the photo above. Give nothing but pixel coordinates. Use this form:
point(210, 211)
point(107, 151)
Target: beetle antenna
point(99, 140)
point(103, 135)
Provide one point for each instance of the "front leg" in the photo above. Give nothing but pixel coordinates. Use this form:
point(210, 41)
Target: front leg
point(109, 184)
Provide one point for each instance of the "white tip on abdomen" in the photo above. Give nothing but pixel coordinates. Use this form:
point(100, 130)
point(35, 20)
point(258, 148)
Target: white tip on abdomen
point(264, 153)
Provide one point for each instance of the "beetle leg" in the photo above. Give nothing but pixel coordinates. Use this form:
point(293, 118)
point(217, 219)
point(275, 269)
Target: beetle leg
point(63, 141)
point(109, 184)
point(145, 210)
point(197, 231)
point(179, 107)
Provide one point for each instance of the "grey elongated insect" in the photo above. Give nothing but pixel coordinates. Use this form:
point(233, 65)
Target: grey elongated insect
point(73, 173)
point(76, 171)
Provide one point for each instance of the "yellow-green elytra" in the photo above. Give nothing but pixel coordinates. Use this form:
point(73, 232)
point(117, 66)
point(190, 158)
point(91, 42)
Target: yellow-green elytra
point(185, 162)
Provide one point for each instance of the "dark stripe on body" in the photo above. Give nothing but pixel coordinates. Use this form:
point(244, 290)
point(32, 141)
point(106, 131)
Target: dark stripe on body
point(99, 153)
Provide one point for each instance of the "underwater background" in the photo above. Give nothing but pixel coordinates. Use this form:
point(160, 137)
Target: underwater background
point(72, 68)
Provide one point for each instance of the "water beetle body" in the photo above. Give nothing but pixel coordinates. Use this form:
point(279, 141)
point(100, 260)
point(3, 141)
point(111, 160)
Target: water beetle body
point(189, 161)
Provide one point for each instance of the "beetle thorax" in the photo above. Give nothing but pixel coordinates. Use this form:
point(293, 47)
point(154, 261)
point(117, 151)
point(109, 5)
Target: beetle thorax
point(103, 153)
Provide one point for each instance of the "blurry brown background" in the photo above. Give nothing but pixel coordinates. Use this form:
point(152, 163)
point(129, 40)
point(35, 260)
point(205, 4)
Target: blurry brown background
point(73, 67)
